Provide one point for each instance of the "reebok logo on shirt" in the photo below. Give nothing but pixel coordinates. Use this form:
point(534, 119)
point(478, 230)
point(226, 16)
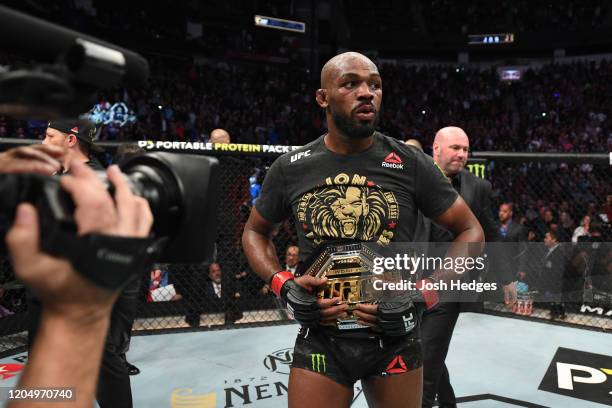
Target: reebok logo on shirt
point(392, 161)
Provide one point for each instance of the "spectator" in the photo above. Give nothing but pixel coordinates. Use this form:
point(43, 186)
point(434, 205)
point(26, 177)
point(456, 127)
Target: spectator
point(566, 227)
point(160, 288)
point(212, 288)
point(607, 209)
point(513, 237)
point(292, 259)
point(550, 281)
point(292, 262)
point(582, 230)
point(221, 297)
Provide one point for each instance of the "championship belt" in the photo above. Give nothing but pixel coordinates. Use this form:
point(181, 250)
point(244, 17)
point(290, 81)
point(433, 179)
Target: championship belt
point(349, 272)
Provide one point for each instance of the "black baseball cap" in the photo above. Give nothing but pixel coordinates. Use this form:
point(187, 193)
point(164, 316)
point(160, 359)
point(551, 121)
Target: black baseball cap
point(83, 129)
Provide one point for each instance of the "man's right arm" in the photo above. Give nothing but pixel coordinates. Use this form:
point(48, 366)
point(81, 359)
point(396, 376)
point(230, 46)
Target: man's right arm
point(297, 292)
point(258, 246)
point(76, 313)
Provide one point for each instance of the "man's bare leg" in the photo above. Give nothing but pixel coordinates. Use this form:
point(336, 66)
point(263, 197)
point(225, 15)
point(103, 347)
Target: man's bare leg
point(395, 391)
point(308, 389)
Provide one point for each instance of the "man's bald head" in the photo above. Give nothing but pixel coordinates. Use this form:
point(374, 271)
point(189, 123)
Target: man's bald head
point(341, 63)
point(450, 149)
point(451, 132)
point(219, 136)
point(351, 94)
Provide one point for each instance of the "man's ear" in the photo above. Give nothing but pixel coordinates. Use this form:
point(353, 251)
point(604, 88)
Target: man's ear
point(321, 97)
point(72, 140)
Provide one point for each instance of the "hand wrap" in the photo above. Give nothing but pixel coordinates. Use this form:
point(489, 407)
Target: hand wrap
point(300, 303)
point(398, 315)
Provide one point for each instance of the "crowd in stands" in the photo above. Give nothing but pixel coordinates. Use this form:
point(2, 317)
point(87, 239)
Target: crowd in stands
point(558, 108)
point(480, 16)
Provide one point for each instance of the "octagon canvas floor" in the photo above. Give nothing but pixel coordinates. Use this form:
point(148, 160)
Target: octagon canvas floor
point(493, 362)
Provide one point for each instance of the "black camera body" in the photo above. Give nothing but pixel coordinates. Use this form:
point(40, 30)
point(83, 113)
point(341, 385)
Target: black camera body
point(182, 191)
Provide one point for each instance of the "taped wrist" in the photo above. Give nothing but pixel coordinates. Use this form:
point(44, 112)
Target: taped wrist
point(397, 316)
point(430, 296)
point(278, 280)
point(301, 304)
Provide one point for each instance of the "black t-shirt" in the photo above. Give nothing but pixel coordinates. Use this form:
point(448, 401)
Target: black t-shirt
point(371, 196)
point(94, 164)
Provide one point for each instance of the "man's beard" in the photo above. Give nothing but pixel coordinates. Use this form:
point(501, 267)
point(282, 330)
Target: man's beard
point(352, 128)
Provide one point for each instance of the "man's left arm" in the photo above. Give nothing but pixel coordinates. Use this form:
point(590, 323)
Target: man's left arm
point(486, 217)
point(437, 199)
point(507, 277)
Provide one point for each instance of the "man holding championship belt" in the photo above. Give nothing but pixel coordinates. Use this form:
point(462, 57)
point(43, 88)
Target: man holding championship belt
point(351, 191)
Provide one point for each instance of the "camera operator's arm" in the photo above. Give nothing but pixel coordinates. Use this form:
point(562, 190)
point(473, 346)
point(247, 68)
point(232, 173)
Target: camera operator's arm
point(41, 159)
point(68, 349)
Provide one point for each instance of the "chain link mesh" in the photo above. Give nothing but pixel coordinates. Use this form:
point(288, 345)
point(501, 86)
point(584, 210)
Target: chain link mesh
point(573, 282)
point(183, 297)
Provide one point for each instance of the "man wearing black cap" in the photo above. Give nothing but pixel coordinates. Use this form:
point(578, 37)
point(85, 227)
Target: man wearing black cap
point(77, 136)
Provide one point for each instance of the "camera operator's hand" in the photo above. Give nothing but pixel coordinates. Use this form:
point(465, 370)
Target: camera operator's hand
point(41, 159)
point(95, 209)
point(53, 279)
point(68, 349)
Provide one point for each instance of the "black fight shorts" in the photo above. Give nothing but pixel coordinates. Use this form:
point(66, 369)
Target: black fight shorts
point(347, 359)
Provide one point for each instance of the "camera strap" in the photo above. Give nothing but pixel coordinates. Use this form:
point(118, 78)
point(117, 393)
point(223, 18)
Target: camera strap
point(112, 261)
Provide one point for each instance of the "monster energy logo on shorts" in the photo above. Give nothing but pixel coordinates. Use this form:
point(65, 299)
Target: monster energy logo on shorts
point(318, 362)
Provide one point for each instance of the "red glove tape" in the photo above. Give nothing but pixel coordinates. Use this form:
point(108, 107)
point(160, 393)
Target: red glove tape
point(430, 296)
point(278, 280)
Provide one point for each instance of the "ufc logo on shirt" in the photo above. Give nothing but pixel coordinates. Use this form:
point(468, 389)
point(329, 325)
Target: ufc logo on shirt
point(299, 155)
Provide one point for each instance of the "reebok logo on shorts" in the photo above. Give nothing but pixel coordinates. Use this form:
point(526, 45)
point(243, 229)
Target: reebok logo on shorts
point(396, 366)
point(392, 161)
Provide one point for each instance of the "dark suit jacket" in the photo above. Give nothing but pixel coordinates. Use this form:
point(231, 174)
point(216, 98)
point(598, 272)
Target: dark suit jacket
point(210, 298)
point(476, 192)
point(553, 270)
point(512, 253)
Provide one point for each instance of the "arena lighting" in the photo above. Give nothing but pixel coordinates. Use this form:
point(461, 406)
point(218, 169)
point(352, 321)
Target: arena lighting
point(487, 39)
point(280, 24)
point(510, 73)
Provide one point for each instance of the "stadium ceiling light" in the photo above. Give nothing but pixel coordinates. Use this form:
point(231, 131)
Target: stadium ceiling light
point(280, 24)
point(487, 39)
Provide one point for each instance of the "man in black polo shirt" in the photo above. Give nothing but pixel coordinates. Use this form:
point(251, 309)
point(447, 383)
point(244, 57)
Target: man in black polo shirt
point(354, 185)
point(114, 390)
point(77, 137)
